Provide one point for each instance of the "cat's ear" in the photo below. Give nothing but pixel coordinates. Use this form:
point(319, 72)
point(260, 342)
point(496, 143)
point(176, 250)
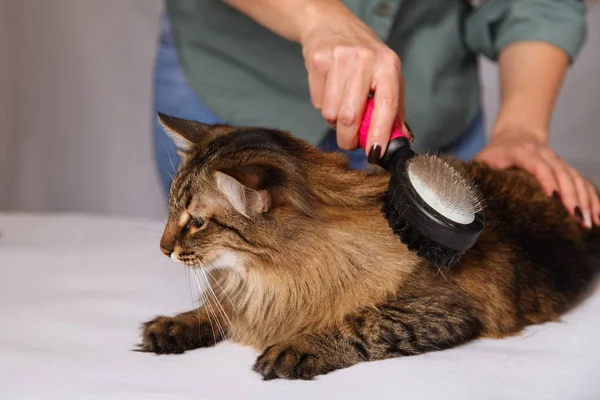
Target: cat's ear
point(246, 188)
point(186, 134)
point(256, 188)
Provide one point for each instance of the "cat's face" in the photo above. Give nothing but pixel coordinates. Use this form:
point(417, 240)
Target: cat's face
point(233, 192)
point(203, 227)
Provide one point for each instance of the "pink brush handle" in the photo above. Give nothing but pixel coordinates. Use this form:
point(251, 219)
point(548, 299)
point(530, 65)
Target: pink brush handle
point(363, 131)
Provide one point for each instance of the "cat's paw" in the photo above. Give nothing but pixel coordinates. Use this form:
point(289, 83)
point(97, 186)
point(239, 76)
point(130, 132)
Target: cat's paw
point(291, 361)
point(170, 335)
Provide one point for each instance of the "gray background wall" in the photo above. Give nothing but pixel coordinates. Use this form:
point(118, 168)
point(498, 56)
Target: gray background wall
point(75, 106)
point(79, 98)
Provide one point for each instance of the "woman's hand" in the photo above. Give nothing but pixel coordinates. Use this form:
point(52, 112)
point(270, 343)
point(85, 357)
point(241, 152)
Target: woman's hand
point(531, 73)
point(557, 178)
point(345, 61)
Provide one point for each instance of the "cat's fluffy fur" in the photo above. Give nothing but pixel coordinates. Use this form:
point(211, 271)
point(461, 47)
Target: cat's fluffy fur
point(308, 272)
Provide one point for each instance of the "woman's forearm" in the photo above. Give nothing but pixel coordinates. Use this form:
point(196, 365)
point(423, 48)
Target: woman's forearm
point(531, 74)
point(291, 18)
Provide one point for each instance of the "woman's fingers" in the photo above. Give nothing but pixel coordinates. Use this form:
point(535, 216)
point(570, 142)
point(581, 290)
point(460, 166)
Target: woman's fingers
point(582, 210)
point(345, 61)
point(401, 109)
point(317, 64)
point(595, 203)
point(573, 193)
point(569, 194)
point(334, 91)
point(555, 176)
point(544, 170)
point(384, 114)
point(356, 92)
point(578, 195)
point(387, 102)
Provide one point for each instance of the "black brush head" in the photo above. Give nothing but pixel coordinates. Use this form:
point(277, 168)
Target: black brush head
point(432, 207)
point(417, 242)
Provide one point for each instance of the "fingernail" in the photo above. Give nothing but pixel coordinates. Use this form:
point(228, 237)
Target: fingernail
point(587, 219)
point(374, 154)
point(556, 195)
point(578, 213)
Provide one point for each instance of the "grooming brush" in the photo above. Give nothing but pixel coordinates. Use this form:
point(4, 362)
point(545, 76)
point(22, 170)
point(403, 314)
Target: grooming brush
point(434, 209)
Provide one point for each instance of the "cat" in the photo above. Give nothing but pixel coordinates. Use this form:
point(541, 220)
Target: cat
point(304, 268)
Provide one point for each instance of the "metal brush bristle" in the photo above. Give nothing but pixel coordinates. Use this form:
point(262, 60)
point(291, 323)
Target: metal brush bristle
point(444, 188)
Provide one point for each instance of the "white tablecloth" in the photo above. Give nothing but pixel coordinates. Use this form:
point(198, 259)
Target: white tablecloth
point(74, 289)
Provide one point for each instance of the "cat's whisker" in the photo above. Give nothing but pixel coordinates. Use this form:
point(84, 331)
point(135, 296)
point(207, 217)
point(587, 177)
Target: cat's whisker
point(209, 307)
point(152, 231)
point(441, 272)
point(210, 313)
point(206, 304)
point(195, 297)
point(208, 294)
point(168, 172)
point(170, 161)
point(218, 303)
point(217, 321)
point(212, 294)
point(221, 287)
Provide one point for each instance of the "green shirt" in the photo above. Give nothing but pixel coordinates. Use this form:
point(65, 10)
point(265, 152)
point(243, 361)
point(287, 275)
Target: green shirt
point(248, 75)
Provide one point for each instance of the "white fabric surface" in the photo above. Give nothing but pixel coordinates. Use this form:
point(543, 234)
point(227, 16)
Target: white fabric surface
point(74, 289)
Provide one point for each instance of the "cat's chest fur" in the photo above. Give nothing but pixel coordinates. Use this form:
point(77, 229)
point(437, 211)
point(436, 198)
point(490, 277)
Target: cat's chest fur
point(310, 287)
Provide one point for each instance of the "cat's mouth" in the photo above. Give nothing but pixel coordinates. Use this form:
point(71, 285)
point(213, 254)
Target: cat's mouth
point(189, 259)
point(224, 259)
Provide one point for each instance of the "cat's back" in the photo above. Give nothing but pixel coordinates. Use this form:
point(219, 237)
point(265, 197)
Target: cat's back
point(535, 226)
point(533, 260)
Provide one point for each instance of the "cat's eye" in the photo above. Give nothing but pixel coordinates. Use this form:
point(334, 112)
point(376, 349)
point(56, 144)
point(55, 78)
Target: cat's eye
point(195, 222)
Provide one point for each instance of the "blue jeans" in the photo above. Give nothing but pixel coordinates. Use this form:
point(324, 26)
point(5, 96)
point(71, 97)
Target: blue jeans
point(173, 96)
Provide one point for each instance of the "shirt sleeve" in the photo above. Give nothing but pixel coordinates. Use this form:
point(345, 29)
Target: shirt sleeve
point(498, 23)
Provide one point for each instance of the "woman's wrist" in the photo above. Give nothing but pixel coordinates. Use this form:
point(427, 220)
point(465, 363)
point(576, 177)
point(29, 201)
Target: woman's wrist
point(514, 121)
point(531, 74)
point(316, 15)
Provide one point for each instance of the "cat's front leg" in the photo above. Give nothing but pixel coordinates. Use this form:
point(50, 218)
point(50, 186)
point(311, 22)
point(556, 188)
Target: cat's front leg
point(186, 331)
point(399, 328)
point(305, 357)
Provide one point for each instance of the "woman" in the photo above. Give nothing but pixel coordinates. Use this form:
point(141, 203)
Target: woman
point(308, 65)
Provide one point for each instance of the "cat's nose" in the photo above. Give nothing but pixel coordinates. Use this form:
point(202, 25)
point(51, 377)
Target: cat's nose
point(169, 237)
point(167, 251)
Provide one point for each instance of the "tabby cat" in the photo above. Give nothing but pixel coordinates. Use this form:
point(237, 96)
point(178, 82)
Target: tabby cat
point(306, 270)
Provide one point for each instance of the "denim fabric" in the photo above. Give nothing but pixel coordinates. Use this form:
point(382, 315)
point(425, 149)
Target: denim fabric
point(173, 96)
point(471, 143)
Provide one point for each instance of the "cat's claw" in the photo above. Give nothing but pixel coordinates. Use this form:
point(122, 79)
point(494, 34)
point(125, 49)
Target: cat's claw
point(165, 335)
point(139, 348)
point(287, 361)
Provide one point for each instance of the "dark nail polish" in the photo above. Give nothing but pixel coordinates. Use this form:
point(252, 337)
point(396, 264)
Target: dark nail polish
point(578, 213)
point(374, 154)
point(556, 195)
